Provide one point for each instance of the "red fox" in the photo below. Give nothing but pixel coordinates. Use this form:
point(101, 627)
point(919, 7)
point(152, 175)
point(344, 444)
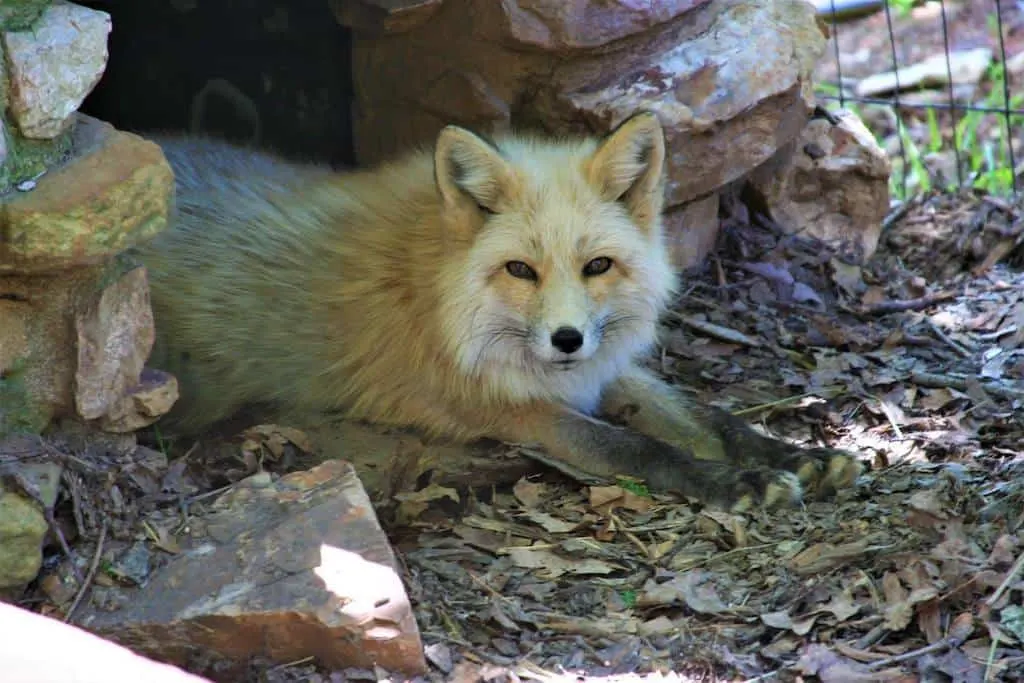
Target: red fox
point(504, 289)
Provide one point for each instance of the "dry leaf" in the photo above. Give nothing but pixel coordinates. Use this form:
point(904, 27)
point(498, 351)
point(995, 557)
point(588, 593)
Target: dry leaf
point(821, 557)
point(604, 499)
point(829, 667)
point(553, 565)
point(273, 438)
point(694, 588)
point(549, 522)
point(529, 493)
point(412, 504)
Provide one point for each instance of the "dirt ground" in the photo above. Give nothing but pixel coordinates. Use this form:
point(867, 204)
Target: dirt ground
point(913, 362)
point(916, 574)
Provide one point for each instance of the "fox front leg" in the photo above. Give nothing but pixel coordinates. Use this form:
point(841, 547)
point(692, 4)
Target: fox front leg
point(575, 443)
point(645, 402)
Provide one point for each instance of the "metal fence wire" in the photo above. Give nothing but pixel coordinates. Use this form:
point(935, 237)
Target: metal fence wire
point(950, 123)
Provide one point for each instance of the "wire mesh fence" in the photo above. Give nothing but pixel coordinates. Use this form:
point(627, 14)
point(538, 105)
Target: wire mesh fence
point(935, 82)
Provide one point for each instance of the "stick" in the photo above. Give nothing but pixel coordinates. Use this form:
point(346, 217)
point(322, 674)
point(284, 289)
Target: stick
point(91, 575)
point(901, 305)
point(936, 381)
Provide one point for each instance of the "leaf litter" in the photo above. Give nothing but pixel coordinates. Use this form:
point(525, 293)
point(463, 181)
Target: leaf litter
point(917, 574)
point(914, 575)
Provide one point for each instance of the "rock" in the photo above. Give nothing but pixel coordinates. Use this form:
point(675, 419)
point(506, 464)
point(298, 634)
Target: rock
point(380, 17)
point(20, 16)
point(287, 570)
point(27, 160)
point(53, 65)
point(727, 103)
point(3, 143)
point(143, 404)
point(557, 26)
point(725, 108)
point(965, 67)
point(691, 231)
point(114, 192)
point(23, 526)
point(114, 337)
point(75, 340)
point(832, 184)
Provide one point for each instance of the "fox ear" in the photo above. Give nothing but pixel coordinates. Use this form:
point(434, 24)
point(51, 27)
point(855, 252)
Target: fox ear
point(627, 166)
point(466, 167)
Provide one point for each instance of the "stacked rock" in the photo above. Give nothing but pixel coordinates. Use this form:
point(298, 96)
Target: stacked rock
point(75, 320)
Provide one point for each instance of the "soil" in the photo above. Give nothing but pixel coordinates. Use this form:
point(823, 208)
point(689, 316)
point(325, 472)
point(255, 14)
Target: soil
point(912, 362)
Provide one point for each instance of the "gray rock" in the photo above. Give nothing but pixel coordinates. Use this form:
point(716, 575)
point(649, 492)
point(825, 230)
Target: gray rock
point(53, 66)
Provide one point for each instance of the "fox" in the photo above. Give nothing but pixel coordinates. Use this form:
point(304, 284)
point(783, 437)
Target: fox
point(506, 287)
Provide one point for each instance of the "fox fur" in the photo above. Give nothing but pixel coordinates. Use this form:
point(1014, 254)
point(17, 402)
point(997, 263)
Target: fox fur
point(430, 292)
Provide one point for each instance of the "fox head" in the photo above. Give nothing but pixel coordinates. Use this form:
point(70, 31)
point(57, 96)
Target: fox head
point(556, 270)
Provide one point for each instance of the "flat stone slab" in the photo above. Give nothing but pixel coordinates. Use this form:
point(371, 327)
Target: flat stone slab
point(286, 569)
point(114, 192)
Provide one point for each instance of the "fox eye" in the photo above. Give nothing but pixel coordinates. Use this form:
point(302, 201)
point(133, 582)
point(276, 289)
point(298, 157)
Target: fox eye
point(520, 270)
point(597, 266)
point(486, 211)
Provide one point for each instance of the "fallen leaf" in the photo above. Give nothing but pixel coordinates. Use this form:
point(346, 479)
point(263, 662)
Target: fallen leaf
point(555, 565)
point(604, 499)
point(549, 522)
point(829, 667)
point(823, 556)
point(412, 504)
point(529, 493)
point(694, 588)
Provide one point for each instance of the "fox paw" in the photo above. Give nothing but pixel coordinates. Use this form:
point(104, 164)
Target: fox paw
point(824, 471)
point(766, 488)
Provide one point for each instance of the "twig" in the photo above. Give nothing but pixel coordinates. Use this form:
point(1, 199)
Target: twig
point(830, 391)
point(725, 334)
point(895, 215)
point(948, 341)
point(1018, 566)
point(935, 381)
point(631, 536)
point(939, 646)
point(91, 575)
point(901, 305)
point(729, 553)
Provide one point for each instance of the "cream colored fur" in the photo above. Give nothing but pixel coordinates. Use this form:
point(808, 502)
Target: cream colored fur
point(426, 292)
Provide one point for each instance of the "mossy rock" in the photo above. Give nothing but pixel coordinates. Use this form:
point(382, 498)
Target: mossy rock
point(19, 413)
point(21, 15)
point(27, 159)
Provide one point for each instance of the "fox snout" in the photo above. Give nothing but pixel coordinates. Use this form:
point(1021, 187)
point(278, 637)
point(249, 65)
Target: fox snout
point(567, 339)
point(564, 343)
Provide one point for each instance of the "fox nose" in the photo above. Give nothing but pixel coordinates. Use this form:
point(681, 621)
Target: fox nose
point(567, 339)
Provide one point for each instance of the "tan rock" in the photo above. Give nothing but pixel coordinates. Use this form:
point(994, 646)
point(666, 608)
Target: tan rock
point(558, 26)
point(727, 102)
point(289, 569)
point(53, 66)
point(959, 67)
point(114, 337)
point(74, 339)
point(379, 17)
point(143, 404)
point(832, 184)
point(691, 231)
point(114, 192)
